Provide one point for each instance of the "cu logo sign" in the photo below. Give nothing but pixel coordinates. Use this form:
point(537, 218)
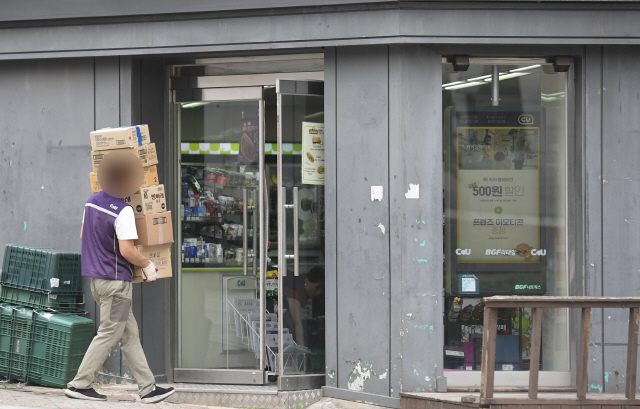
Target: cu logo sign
point(535, 252)
point(525, 119)
point(463, 252)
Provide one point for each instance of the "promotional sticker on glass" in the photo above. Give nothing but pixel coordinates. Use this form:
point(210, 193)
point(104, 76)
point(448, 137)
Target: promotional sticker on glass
point(312, 153)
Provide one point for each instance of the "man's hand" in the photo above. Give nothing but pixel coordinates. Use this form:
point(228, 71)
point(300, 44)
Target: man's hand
point(150, 272)
point(131, 253)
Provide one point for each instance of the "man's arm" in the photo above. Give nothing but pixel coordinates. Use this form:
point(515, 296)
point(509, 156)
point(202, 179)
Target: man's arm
point(132, 255)
point(81, 228)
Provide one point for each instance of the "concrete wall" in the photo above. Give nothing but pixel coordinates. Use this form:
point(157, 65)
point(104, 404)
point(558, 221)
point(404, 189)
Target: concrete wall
point(383, 129)
point(47, 109)
point(617, 271)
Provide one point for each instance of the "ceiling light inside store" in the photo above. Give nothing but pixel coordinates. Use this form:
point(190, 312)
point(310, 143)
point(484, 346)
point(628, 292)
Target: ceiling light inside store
point(465, 85)
point(505, 76)
point(479, 78)
point(486, 79)
point(194, 104)
point(530, 67)
point(452, 83)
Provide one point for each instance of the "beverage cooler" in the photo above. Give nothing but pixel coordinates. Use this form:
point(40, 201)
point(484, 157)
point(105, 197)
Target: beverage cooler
point(250, 306)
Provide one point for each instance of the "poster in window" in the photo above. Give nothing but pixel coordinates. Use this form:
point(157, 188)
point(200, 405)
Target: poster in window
point(498, 162)
point(312, 153)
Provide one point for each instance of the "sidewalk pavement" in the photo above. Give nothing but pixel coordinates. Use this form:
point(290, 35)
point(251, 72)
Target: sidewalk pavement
point(20, 396)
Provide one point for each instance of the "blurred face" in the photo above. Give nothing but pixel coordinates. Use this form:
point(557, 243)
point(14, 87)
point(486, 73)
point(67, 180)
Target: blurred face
point(513, 135)
point(313, 289)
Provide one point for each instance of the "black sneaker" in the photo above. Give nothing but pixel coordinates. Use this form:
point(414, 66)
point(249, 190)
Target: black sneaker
point(86, 394)
point(157, 394)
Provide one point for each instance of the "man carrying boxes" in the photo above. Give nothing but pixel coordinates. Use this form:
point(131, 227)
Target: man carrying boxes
point(111, 259)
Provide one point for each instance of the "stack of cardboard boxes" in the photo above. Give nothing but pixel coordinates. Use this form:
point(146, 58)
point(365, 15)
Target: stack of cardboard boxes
point(153, 221)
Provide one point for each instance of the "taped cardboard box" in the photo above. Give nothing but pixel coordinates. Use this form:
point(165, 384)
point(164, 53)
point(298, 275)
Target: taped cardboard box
point(160, 256)
point(119, 138)
point(146, 153)
point(95, 185)
point(150, 179)
point(148, 200)
point(154, 229)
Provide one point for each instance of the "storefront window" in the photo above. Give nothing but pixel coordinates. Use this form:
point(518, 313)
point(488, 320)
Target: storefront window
point(505, 166)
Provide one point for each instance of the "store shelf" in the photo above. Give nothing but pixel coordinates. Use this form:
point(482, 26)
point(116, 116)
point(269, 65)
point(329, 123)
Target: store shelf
point(203, 265)
point(203, 222)
point(234, 264)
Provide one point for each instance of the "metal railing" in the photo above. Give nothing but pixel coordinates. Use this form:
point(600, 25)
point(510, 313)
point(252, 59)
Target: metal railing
point(537, 303)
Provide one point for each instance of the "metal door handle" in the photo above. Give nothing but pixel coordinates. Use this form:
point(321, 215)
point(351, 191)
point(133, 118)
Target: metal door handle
point(296, 264)
point(294, 256)
point(245, 225)
point(283, 239)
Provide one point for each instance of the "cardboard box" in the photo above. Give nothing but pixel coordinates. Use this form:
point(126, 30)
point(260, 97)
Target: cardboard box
point(146, 153)
point(148, 200)
point(154, 229)
point(150, 179)
point(119, 138)
point(160, 256)
point(150, 176)
point(95, 185)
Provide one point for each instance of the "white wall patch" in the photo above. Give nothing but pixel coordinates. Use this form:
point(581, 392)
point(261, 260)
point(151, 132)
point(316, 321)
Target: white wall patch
point(382, 229)
point(414, 191)
point(376, 193)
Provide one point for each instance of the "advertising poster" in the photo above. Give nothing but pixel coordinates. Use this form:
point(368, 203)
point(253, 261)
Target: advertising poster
point(498, 200)
point(497, 164)
point(312, 153)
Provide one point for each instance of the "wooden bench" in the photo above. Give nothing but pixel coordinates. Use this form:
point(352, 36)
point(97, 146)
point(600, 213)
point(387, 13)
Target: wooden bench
point(537, 303)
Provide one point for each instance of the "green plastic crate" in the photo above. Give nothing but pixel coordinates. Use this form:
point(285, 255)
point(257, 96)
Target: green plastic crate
point(41, 269)
point(6, 318)
point(21, 326)
point(54, 302)
point(59, 342)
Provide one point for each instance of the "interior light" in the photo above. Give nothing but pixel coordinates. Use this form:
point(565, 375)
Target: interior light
point(530, 67)
point(452, 83)
point(479, 78)
point(506, 76)
point(465, 85)
point(194, 104)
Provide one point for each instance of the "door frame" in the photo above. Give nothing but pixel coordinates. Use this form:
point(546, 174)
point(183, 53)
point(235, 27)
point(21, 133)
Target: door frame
point(222, 376)
point(287, 86)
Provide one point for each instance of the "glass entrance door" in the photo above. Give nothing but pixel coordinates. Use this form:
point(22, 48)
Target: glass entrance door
point(299, 358)
point(221, 315)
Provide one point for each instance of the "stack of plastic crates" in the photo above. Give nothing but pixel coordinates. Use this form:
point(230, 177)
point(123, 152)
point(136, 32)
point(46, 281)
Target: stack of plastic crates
point(58, 344)
point(42, 339)
point(40, 347)
point(41, 278)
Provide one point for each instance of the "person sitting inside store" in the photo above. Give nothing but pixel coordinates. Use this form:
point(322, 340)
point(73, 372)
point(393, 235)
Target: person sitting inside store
point(108, 257)
point(303, 306)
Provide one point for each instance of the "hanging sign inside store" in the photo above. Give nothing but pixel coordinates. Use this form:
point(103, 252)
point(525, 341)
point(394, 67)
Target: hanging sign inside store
point(249, 142)
point(312, 153)
point(498, 200)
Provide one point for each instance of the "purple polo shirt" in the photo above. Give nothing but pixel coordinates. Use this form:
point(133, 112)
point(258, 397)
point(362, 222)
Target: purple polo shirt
point(101, 257)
